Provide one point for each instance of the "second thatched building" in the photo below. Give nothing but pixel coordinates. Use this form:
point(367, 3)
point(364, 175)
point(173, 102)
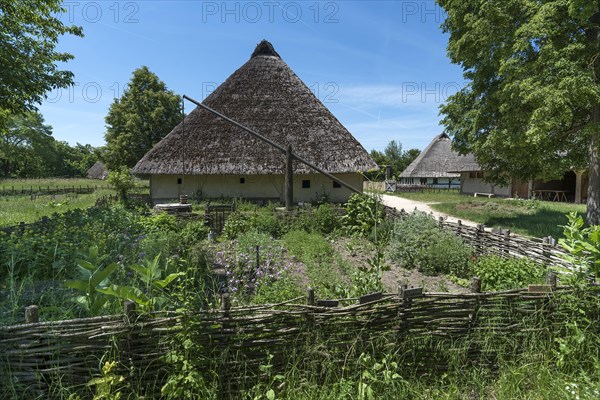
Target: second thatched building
point(207, 157)
point(432, 167)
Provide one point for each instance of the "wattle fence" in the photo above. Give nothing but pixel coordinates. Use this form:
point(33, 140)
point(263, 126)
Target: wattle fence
point(235, 342)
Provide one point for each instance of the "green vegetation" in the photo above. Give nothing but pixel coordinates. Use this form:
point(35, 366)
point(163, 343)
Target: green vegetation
point(394, 157)
point(499, 273)
point(520, 112)
point(112, 253)
point(418, 242)
point(54, 183)
point(17, 209)
point(145, 113)
point(31, 30)
point(525, 217)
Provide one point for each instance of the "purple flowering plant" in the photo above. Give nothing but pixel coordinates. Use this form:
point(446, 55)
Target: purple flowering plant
point(249, 266)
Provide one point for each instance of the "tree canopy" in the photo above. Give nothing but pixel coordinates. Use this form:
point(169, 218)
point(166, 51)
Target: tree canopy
point(29, 33)
point(146, 112)
point(531, 105)
point(393, 156)
point(27, 149)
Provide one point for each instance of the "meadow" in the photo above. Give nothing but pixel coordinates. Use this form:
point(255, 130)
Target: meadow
point(28, 200)
point(86, 261)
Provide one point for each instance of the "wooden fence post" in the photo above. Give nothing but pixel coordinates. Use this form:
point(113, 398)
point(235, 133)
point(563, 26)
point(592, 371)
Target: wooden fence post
point(459, 228)
point(479, 239)
point(310, 296)
point(129, 310)
point(441, 222)
point(225, 304)
point(32, 314)
point(551, 279)
point(506, 243)
point(475, 285)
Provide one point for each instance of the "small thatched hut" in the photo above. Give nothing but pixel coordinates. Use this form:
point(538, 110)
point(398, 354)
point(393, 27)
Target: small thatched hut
point(210, 158)
point(97, 171)
point(432, 166)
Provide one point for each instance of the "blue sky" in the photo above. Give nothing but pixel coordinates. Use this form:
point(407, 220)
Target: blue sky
point(379, 66)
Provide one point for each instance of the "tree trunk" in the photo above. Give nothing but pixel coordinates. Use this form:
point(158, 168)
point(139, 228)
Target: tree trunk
point(593, 200)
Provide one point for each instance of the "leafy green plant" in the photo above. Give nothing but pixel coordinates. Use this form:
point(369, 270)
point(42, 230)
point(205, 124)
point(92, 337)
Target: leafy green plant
point(122, 180)
point(375, 375)
point(326, 219)
point(154, 278)
point(499, 273)
point(583, 245)
point(363, 214)
point(94, 278)
point(236, 224)
point(109, 385)
point(418, 242)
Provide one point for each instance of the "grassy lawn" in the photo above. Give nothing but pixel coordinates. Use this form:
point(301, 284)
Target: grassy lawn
point(526, 217)
point(25, 208)
point(16, 209)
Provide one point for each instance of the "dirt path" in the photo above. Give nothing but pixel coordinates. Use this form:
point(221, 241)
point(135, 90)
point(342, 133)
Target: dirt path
point(400, 203)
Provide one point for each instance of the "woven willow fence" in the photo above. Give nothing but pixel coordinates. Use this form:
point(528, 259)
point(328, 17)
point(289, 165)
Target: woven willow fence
point(234, 342)
point(541, 250)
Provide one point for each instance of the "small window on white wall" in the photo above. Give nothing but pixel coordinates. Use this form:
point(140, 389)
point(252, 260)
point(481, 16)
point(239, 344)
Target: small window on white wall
point(306, 184)
point(336, 185)
point(242, 180)
point(179, 181)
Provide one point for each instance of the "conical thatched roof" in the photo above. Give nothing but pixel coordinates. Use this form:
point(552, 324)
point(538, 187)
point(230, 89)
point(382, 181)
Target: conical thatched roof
point(97, 171)
point(267, 96)
point(437, 160)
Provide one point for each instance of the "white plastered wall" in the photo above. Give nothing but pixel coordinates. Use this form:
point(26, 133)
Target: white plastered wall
point(165, 187)
point(477, 185)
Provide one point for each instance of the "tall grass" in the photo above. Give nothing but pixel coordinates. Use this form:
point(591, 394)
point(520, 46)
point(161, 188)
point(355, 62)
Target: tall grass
point(17, 209)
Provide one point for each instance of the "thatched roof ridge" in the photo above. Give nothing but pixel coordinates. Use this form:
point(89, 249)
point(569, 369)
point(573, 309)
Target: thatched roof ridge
point(97, 171)
point(267, 96)
point(437, 160)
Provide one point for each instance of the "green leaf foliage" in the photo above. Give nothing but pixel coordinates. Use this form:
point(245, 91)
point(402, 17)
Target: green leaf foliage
point(418, 242)
point(29, 33)
point(499, 273)
point(145, 113)
point(530, 107)
point(583, 245)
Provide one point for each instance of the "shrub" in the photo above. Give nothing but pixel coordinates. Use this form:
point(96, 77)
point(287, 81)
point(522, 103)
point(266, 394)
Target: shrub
point(236, 224)
point(363, 213)
point(193, 232)
point(122, 180)
point(418, 242)
point(326, 219)
point(498, 273)
point(265, 221)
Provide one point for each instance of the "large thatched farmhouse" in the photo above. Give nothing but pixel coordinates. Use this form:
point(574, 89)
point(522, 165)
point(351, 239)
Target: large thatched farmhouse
point(208, 157)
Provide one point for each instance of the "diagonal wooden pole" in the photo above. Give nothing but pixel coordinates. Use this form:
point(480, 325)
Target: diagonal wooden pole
point(271, 143)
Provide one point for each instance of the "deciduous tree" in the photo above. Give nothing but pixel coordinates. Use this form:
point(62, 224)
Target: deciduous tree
point(29, 32)
point(145, 113)
point(531, 107)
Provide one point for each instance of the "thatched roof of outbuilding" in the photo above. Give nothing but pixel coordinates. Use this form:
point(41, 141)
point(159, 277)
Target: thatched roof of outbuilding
point(265, 95)
point(97, 171)
point(438, 160)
